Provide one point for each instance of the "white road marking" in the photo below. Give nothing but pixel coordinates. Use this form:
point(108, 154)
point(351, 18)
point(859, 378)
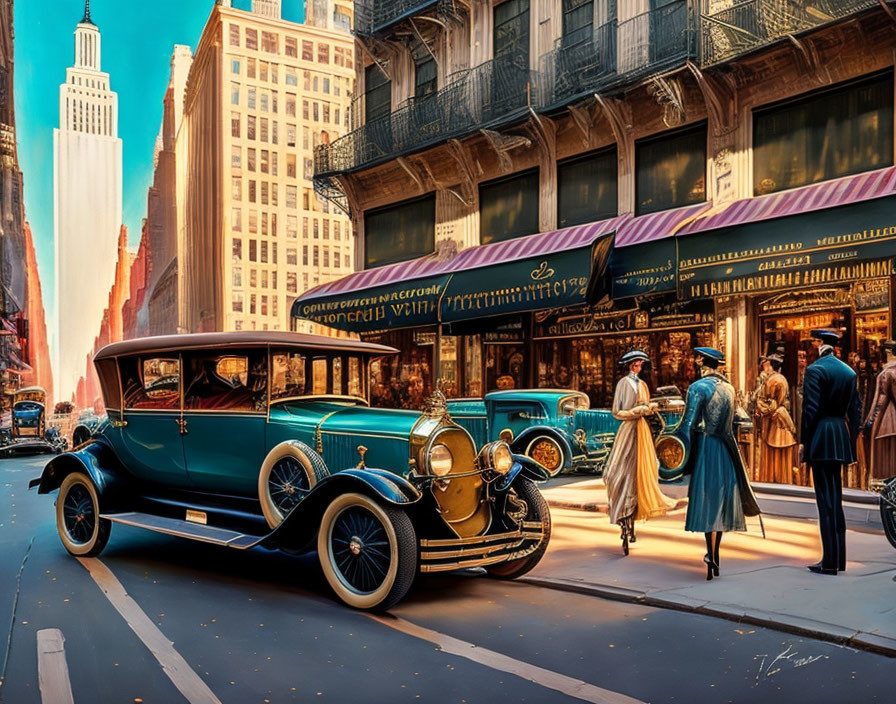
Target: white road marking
point(546, 678)
point(179, 672)
point(52, 669)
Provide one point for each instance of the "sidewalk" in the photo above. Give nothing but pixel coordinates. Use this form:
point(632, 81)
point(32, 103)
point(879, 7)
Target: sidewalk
point(763, 582)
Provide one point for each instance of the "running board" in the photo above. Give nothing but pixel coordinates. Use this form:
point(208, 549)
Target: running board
point(185, 529)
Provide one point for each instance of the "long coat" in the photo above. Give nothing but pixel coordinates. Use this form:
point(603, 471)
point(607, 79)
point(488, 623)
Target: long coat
point(632, 474)
point(883, 428)
point(776, 429)
point(831, 411)
point(719, 493)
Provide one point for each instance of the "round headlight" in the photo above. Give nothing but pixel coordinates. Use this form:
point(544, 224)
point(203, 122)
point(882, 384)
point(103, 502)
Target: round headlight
point(502, 458)
point(440, 460)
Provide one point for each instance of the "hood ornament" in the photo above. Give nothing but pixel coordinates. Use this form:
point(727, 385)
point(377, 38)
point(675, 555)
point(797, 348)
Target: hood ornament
point(436, 405)
point(361, 452)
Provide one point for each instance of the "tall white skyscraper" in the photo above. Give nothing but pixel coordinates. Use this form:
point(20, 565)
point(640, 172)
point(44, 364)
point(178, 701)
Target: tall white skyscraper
point(87, 204)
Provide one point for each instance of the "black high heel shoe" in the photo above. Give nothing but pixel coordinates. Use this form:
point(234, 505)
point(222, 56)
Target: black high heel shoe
point(631, 531)
point(711, 567)
point(624, 535)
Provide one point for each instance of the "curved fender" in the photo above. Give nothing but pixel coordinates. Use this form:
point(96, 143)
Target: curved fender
point(523, 467)
point(520, 442)
point(302, 523)
point(95, 459)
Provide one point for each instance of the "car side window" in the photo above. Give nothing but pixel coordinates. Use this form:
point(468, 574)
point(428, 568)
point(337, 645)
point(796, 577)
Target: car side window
point(355, 387)
point(319, 376)
point(225, 382)
point(287, 375)
point(151, 383)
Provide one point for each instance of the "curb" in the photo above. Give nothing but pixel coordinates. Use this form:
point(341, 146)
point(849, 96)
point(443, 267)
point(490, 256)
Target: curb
point(796, 625)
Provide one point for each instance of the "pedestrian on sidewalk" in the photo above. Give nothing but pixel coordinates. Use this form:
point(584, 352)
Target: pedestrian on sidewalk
point(632, 473)
point(880, 426)
point(719, 493)
point(831, 417)
point(776, 430)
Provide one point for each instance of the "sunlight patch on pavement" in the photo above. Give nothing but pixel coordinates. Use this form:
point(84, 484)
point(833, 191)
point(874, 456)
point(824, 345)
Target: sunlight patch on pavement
point(179, 672)
point(489, 658)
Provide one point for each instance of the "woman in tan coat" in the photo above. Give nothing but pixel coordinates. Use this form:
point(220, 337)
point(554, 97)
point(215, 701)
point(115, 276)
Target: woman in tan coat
point(776, 428)
point(632, 474)
point(881, 422)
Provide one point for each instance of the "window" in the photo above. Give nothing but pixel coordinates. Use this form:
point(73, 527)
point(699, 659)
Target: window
point(670, 170)
point(424, 77)
point(252, 306)
point(232, 382)
point(274, 223)
point(291, 136)
point(291, 79)
point(273, 73)
point(305, 254)
point(234, 124)
point(326, 85)
point(253, 279)
point(264, 215)
point(236, 188)
point(250, 98)
point(578, 20)
point(510, 36)
point(234, 93)
point(336, 233)
point(291, 226)
point(237, 249)
point(264, 196)
point(587, 188)
point(264, 252)
point(290, 46)
point(234, 157)
point(399, 232)
point(291, 257)
point(287, 375)
point(832, 133)
point(325, 110)
point(263, 71)
point(508, 207)
point(315, 256)
point(250, 158)
point(323, 53)
point(253, 250)
point(151, 383)
point(250, 68)
point(274, 134)
point(235, 67)
point(237, 277)
point(326, 257)
point(326, 226)
point(270, 43)
point(377, 94)
point(264, 129)
point(308, 171)
point(291, 165)
point(253, 222)
point(251, 191)
point(291, 284)
point(307, 51)
point(236, 220)
point(237, 302)
point(251, 38)
point(305, 227)
point(291, 106)
point(274, 190)
point(316, 228)
point(234, 35)
point(291, 196)
point(250, 126)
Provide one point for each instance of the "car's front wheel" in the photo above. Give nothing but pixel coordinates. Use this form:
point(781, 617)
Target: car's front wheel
point(536, 510)
point(82, 531)
point(288, 473)
point(368, 552)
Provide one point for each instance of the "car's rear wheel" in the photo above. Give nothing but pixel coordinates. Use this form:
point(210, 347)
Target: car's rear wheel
point(548, 453)
point(289, 472)
point(82, 531)
point(536, 510)
point(368, 552)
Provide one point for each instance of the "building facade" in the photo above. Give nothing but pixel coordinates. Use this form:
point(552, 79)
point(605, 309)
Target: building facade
point(537, 187)
point(262, 92)
point(87, 183)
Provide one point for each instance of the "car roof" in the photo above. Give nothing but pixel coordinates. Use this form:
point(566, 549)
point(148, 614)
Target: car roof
point(31, 389)
point(244, 339)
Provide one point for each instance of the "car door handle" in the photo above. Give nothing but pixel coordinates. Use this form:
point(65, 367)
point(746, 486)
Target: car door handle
point(119, 424)
point(182, 424)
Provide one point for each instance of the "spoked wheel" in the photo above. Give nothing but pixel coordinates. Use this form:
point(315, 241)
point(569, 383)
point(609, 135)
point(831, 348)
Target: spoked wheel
point(289, 472)
point(548, 453)
point(888, 510)
point(288, 484)
point(78, 521)
point(368, 552)
point(537, 510)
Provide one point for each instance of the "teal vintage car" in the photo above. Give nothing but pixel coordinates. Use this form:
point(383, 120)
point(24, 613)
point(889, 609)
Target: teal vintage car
point(555, 427)
point(28, 430)
point(266, 439)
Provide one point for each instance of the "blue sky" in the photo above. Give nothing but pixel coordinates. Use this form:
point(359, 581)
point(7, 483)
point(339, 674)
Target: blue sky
point(138, 38)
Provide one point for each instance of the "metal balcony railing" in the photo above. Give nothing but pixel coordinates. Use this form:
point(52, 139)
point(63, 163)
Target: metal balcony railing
point(490, 94)
point(617, 53)
point(749, 24)
point(373, 16)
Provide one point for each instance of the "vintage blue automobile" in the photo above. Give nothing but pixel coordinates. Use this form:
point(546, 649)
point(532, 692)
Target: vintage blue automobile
point(266, 439)
point(557, 428)
point(28, 430)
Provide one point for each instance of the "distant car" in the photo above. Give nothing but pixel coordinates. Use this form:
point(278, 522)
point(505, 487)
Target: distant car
point(555, 427)
point(266, 439)
point(28, 430)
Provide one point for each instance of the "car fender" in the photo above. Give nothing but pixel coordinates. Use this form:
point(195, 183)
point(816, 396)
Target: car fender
point(301, 525)
point(523, 467)
point(95, 459)
point(522, 441)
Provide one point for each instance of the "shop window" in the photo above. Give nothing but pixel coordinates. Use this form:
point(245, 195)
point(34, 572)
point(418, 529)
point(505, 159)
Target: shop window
point(400, 232)
point(403, 380)
point(472, 347)
point(377, 94)
point(151, 383)
point(425, 77)
point(587, 188)
point(508, 207)
point(319, 376)
point(833, 133)
point(287, 375)
point(671, 170)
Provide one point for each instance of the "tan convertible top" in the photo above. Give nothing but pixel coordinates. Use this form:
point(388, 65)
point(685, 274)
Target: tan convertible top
point(249, 338)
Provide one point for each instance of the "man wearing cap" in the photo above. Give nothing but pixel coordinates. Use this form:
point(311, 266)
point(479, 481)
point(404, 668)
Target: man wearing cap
point(632, 473)
point(880, 425)
point(830, 426)
point(776, 428)
point(719, 492)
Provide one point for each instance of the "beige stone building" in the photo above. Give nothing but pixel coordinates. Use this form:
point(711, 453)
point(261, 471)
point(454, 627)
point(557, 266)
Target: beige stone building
point(261, 94)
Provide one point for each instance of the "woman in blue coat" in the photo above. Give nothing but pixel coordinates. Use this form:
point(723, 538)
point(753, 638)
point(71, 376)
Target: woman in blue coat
point(719, 493)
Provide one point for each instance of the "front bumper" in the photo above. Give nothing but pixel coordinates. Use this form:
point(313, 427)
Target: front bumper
point(460, 553)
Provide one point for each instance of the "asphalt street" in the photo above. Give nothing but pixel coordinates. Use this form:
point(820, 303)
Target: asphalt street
point(263, 627)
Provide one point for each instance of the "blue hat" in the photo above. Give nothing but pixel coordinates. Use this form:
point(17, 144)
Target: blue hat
point(827, 336)
point(710, 353)
point(633, 356)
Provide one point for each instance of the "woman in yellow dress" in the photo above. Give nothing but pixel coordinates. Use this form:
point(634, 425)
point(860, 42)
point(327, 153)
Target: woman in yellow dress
point(632, 474)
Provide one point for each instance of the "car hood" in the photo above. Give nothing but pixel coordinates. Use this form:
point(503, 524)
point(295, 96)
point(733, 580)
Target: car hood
point(353, 419)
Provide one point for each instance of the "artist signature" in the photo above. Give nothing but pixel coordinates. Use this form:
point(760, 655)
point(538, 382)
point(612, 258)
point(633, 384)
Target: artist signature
point(787, 658)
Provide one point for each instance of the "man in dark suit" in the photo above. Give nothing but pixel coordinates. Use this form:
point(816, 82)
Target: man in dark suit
point(830, 426)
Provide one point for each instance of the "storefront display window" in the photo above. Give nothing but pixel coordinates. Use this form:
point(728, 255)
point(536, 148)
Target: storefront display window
point(506, 367)
point(405, 379)
point(472, 366)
